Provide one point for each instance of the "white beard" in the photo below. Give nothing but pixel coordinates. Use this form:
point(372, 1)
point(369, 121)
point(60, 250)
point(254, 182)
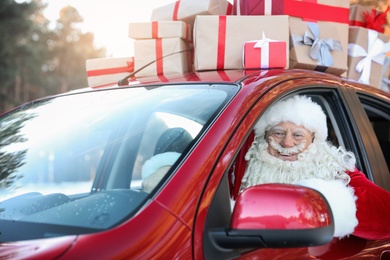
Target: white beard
point(319, 160)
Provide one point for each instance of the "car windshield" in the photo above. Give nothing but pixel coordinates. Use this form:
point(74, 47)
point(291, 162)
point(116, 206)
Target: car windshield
point(85, 162)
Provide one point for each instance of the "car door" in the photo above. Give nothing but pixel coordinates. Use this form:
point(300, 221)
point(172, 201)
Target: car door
point(371, 113)
point(347, 127)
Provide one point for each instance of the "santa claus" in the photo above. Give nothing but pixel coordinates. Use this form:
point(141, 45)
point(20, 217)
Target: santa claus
point(290, 146)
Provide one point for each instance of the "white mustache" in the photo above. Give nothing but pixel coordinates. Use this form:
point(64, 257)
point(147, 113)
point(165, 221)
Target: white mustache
point(287, 151)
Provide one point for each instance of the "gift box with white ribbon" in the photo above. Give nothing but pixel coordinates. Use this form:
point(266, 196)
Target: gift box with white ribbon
point(219, 40)
point(265, 53)
point(108, 71)
point(366, 55)
point(320, 46)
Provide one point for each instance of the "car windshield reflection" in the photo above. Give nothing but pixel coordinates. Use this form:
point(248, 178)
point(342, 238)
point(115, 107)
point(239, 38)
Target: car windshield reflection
point(91, 160)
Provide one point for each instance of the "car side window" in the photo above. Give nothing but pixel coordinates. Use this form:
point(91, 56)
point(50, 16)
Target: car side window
point(379, 115)
point(339, 134)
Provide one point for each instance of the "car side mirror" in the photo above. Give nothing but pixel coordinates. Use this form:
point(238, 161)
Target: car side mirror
point(277, 216)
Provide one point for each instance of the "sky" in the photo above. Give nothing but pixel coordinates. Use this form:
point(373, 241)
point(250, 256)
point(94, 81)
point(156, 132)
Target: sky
point(108, 20)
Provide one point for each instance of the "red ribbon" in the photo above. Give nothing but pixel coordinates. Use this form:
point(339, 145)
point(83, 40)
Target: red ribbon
point(155, 30)
point(375, 20)
point(223, 75)
point(175, 11)
point(221, 43)
point(189, 53)
point(187, 37)
point(159, 55)
point(229, 10)
point(159, 61)
point(316, 12)
point(130, 65)
point(128, 68)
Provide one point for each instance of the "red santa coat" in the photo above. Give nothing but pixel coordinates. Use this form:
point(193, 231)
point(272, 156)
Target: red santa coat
point(373, 208)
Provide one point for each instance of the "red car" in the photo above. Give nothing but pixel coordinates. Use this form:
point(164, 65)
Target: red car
point(77, 176)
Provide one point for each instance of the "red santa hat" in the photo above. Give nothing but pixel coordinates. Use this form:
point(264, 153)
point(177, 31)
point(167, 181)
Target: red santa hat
point(299, 110)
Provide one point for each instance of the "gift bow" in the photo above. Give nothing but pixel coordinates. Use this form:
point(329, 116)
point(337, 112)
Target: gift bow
point(374, 21)
point(376, 52)
point(264, 45)
point(320, 48)
point(264, 42)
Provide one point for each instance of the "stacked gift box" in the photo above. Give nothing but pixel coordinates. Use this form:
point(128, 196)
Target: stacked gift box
point(161, 47)
point(368, 46)
point(107, 71)
point(318, 30)
point(213, 35)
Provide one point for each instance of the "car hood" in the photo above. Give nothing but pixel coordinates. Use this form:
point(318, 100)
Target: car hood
point(50, 248)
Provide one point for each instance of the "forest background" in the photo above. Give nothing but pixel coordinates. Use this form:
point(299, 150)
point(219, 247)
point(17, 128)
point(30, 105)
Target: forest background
point(37, 60)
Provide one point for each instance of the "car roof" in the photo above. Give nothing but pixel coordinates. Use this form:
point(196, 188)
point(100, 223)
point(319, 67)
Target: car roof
point(239, 77)
point(242, 77)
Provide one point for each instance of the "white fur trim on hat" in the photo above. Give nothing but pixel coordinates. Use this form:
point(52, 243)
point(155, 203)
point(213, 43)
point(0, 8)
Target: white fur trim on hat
point(158, 161)
point(299, 110)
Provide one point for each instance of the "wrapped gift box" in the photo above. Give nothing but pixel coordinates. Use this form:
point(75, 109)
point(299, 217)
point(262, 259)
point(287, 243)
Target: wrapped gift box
point(220, 75)
point(160, 29)
point(162, 56)
point(263, 54)
point(309, 10)
point(365, 16)
point(366, 55)
point(187, 10)
point(385, 82)
point(219, 40)
point(321, 46)
point(233, 75)
point(108, 71)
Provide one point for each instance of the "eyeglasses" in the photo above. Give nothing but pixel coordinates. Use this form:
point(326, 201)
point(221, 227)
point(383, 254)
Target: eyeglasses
point(298, 134)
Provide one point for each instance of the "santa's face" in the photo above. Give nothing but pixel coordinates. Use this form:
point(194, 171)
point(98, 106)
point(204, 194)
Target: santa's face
point(286, 140)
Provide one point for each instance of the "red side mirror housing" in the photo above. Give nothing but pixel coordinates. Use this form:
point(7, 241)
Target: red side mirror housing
point(277, 216)
point(280, 206)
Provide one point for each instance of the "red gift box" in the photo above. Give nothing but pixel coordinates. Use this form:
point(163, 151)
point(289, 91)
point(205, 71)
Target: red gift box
point(308, 10)
point(264, 54)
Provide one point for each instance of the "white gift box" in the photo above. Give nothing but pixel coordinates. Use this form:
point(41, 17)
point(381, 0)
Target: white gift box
point(108, 71)
point(165, 56)
point(187, 10)
point(160, 29)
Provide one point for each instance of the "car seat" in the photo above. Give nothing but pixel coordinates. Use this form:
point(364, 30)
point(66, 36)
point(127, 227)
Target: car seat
point(173, 140)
